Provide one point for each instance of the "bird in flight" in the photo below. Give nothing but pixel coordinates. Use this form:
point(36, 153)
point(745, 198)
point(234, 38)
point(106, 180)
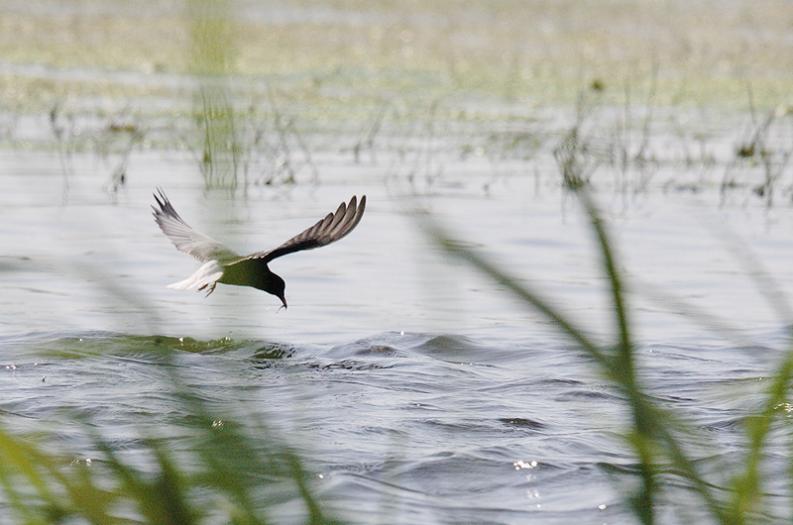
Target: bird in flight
point(221, 265)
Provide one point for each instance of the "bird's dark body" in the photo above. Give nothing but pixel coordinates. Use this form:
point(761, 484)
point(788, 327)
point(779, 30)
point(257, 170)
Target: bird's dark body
point(250, 272)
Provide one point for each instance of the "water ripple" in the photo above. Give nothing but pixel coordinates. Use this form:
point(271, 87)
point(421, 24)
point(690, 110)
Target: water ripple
point(445, 425)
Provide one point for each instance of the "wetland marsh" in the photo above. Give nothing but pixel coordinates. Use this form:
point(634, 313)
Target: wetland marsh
point(463, 356)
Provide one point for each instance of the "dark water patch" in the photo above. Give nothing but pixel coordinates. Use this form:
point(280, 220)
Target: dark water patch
point(273, 352)
point(497, 427)
point(10, 412)
point(523, 423)
point(349, 365)
point(42, 291)
point(554, 382)
point(733, 424)
point(418, 406)
point(588, 394)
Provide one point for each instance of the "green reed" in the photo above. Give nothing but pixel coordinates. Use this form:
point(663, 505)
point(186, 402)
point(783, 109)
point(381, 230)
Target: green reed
point(212, 31)
point(229, 473)
point(654, 431)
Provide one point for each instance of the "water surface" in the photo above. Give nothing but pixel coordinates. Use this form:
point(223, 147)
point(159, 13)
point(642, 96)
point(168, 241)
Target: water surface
point(416, 390)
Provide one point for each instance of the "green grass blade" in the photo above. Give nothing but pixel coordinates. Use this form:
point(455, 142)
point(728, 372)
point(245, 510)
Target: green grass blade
point(649, 416)
point(747, 488)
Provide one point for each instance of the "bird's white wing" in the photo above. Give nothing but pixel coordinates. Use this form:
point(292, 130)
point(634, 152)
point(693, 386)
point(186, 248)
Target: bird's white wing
point(185, 238)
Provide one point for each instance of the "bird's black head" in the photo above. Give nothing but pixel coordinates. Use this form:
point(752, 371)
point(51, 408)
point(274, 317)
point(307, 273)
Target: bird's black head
point(276, 286)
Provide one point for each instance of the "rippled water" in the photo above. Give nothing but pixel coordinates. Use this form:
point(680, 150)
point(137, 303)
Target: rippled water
point(417, 391)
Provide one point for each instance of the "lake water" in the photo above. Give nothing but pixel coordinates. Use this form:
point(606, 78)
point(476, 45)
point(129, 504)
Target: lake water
point(416, 390)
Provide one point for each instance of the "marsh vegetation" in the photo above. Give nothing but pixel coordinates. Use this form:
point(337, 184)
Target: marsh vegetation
point(567, 301)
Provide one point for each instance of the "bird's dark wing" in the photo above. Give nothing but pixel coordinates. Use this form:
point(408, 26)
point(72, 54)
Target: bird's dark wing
point(330, 229)
point(185, 238)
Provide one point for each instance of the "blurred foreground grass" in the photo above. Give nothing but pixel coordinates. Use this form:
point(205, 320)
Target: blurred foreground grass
point(221, 471)
point(655, 433)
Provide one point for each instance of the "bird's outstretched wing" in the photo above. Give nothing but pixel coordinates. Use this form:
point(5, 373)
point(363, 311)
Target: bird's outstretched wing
point(330, 229)
point(185, 238)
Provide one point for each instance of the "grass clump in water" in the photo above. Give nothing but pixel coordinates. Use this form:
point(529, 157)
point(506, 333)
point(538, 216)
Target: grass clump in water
point(212, 59)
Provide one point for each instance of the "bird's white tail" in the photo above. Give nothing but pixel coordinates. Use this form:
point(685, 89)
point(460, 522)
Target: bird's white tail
point(202, 279)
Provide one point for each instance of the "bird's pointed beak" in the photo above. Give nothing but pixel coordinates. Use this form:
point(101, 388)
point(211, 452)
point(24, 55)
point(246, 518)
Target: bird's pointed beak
point(283, 302)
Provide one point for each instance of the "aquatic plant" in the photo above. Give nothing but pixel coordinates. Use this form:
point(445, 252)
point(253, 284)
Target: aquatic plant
point(212, 32)
point(115, 144)
point(219, 150)
point(229, 472)
point(573, 156)
point(772, 157)
point(369, 132)
point(63, 129)
point(654, 432)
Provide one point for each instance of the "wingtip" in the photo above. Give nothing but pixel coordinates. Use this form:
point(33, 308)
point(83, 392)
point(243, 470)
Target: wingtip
point(160, 197)
point(166, 208)
point(356, 203)
point(358, 214)
point(361, 207)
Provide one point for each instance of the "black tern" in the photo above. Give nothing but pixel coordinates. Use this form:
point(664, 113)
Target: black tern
point(222, 265)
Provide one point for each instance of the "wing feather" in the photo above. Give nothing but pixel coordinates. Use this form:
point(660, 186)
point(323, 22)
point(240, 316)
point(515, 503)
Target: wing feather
point(185, 238)
point(330, 229)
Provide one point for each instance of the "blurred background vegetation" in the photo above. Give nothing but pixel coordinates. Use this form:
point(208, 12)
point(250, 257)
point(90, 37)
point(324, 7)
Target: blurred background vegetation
point(255, 91)
point(337, 54)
